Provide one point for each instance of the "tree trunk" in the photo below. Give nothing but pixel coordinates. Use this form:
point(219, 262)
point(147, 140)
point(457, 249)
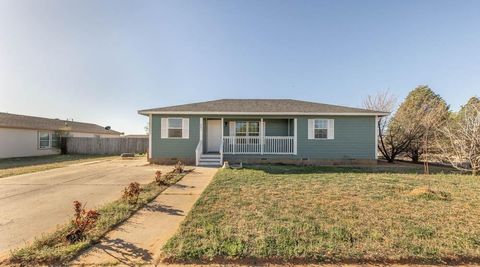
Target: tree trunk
point(415, 156)
point(391, 158)
point(474, 171)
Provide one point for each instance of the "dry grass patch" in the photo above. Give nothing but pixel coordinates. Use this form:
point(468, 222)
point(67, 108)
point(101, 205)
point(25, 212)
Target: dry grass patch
point(430, 194)
point(331, 214)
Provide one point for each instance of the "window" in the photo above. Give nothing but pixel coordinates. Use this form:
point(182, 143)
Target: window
point(253, 128)
point(241, 128)
point(48, 140)
point(175, 127)
point(321, 129)
point(44, 140)
point(247, 128)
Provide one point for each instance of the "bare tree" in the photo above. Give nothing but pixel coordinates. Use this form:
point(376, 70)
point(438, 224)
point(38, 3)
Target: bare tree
point(383, 101)
point(459, 141)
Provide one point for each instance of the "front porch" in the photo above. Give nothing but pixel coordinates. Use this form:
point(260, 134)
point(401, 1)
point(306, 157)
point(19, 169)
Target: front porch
point(245, 136)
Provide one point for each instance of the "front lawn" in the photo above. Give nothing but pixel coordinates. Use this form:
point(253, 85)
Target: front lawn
point(332, 214)
point(16, 166)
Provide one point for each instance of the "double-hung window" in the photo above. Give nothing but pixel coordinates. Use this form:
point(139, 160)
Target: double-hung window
point(321, 129)
point(44, 140)
point(175, 127)
point(247, 128)
point(253, 128)
point(48, 140)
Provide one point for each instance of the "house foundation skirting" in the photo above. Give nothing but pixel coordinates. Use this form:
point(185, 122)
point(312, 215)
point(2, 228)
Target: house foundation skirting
point(172, 161)
point(302, 162)
point(270, 160)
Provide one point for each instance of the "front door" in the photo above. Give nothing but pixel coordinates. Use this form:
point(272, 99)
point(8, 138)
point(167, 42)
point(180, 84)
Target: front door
point(214, 133)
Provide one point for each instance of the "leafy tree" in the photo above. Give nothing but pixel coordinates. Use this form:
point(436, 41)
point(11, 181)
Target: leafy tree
point(421, 112)
point(472, 104)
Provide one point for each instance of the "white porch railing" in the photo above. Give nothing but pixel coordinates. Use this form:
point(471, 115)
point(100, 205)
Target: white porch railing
point(259, 144)
point(279, 145)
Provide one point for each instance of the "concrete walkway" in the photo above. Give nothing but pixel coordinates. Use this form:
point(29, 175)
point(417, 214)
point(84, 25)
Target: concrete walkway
point(139, 240)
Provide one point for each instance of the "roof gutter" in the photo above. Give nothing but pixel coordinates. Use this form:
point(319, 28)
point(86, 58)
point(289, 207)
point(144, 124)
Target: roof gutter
point(147, 113)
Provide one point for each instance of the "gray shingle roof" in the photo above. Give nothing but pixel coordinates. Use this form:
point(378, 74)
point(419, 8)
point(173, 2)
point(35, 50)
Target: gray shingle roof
point(280, 106)
point(30, 122)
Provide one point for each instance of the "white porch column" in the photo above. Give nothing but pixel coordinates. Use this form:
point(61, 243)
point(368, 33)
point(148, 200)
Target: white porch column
point(199, 149)
point(201, 129)
point(221, 152)
point(262, 136)
point(295, 137)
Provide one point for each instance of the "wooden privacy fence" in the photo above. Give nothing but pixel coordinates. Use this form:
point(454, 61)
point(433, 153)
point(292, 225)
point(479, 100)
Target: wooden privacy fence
point(106, 146)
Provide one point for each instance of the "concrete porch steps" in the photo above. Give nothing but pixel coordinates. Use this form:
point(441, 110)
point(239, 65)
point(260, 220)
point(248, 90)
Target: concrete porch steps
point(210, 160)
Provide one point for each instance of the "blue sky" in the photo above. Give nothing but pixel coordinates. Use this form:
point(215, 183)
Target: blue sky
point(101, 61)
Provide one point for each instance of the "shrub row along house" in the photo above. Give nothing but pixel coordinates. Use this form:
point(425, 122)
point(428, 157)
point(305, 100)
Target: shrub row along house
point(24, 136)
point(262, 131)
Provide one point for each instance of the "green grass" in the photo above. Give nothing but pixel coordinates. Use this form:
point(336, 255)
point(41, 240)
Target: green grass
point(332, 214)
point(53, 249)
point(16, 166)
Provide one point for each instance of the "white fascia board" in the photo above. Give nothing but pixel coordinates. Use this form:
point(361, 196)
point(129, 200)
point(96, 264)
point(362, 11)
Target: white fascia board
point(266, 113)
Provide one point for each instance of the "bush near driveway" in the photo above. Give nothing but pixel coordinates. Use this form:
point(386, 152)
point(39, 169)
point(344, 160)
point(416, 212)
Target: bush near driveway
point(329, 214)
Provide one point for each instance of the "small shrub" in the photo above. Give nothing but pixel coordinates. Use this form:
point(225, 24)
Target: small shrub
point(131, 192)
point(83, 221)
point(179, 167)
point(158, 174)
point(159, 179)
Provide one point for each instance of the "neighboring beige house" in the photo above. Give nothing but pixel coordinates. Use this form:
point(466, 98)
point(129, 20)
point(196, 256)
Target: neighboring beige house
point(25, 136)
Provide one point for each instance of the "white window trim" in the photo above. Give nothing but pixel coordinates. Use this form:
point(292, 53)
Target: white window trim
point(317, 128)
point(50, 136)
point(247, 132)
point(330, 127)
point(177, 128)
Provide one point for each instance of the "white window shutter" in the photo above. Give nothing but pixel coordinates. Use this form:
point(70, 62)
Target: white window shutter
point(185, 128)
point(231, 130)
point(311, 129)
point(163, 128)
point(331, 129)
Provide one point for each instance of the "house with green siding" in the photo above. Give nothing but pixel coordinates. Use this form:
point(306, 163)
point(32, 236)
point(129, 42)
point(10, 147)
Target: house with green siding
point(262, 131)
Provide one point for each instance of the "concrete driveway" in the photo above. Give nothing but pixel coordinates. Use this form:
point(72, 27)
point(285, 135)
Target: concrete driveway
point(35, 203)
